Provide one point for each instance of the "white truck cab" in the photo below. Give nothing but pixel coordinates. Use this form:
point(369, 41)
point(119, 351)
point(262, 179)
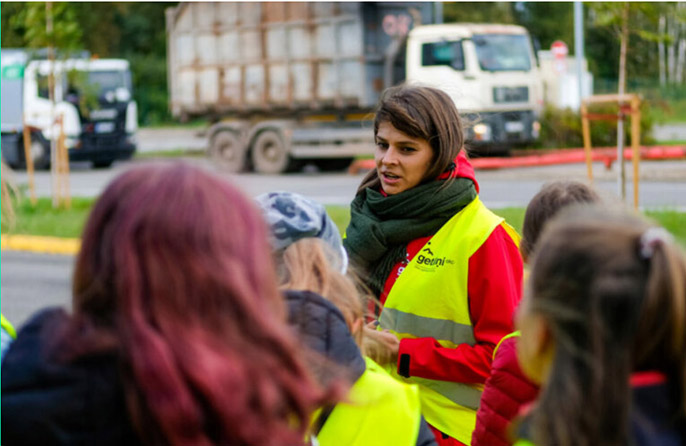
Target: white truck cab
point(489, 71)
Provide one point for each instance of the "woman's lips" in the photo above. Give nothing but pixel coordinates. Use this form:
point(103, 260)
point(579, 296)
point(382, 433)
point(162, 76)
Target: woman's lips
point(389, 178)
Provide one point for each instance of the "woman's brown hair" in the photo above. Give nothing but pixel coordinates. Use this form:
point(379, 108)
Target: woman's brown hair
point(546, 203)
point(612, 290)
point(421, 112)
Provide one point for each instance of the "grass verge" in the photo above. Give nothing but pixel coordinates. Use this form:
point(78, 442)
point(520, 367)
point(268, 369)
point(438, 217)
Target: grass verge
point(44, 220)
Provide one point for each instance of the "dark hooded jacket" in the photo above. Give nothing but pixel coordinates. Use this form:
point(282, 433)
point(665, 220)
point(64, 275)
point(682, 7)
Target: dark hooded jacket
point(322, 327)
point(48, 401)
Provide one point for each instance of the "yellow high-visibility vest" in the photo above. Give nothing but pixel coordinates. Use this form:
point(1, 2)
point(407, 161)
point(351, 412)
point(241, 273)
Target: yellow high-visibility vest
point(379, 411)
point(429, 299)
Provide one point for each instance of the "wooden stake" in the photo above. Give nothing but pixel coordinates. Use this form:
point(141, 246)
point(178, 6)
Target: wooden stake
point(29, 161)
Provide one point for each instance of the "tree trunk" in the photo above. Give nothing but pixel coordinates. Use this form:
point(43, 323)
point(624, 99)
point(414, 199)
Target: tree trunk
point(51, 95)
point(672, 32)
point(661, 51)
point(680, 61)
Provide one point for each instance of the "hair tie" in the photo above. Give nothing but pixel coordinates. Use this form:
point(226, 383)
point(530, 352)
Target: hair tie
point(651, 238)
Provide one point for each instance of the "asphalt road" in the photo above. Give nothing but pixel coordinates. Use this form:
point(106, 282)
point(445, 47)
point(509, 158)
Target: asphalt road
point(662, 183)
point(32, 281)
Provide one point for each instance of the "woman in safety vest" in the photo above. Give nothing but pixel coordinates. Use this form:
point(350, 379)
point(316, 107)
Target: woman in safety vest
point(446, 269)
point(327, 311)
point(603, 331)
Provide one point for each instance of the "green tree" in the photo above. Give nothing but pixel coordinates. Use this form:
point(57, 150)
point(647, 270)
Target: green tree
point(478, 12)
point(66, 32)
point(547, 21)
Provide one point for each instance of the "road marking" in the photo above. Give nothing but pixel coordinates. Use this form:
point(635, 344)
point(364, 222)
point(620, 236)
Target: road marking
point(45, 245)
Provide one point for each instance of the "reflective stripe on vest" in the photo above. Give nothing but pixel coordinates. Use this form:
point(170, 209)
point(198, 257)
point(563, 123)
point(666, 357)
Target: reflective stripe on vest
point(379, 411)
point(427, 327)
point(429, 299)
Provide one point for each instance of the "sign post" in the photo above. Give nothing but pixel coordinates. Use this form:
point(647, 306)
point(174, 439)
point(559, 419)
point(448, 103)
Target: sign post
point(560, 52)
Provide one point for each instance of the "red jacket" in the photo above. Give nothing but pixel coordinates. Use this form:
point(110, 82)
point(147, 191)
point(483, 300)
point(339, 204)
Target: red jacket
point(494, 289)
point(506, 391)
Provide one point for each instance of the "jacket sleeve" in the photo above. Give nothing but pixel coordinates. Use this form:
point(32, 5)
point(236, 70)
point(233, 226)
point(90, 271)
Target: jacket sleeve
point(494, 289)
point(506, 391)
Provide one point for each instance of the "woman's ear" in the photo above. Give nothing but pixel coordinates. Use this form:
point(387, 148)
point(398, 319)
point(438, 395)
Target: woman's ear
point(535, 347)
point(357, 326)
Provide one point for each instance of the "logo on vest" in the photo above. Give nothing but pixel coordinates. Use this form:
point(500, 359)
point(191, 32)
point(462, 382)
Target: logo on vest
point(428, 262)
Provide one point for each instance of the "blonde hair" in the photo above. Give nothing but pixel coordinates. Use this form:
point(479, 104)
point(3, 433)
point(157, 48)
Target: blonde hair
point(307, 265)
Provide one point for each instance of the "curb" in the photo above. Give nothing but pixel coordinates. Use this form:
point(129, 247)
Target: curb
point(559, 156)
point(38, 244)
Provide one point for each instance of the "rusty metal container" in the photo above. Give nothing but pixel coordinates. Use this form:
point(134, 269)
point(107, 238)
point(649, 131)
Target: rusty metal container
point(285, 58)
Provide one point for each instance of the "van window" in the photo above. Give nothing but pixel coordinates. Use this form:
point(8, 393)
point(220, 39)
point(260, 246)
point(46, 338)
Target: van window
point(43, 86)
point(503, 52)
point(443, 53)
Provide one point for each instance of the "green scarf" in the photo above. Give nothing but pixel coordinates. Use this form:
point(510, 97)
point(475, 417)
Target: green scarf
point(381, 226)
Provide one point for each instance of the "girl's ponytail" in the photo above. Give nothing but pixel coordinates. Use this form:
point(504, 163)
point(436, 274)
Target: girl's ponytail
point(661, 334)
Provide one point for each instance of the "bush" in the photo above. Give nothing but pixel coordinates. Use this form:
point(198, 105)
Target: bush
point(150, 89)
point(562, 127)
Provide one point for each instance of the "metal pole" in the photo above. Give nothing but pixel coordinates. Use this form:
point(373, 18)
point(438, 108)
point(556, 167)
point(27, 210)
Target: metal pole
point(621, 181)
point(438, 13)
point(579, 46)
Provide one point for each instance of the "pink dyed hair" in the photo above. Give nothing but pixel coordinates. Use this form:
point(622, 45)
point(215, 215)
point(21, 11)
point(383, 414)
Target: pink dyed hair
point(176, 271)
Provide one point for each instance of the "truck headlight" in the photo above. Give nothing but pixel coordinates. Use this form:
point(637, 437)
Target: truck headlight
point(482, 132)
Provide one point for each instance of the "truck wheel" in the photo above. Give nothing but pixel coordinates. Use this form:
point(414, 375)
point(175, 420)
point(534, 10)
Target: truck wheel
point(40, 152)
point(269, 154)
point(227, 151)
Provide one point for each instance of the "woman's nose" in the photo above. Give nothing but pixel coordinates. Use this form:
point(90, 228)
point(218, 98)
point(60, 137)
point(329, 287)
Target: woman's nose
point(390, 157)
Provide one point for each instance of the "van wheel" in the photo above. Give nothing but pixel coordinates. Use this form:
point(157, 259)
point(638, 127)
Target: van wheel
point(227, 151)
point(269, 153)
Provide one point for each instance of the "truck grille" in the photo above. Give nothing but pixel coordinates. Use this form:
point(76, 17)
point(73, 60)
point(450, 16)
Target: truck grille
point(510, 94)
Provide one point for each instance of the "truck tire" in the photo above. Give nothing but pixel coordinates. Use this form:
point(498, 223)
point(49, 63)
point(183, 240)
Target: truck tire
point(228, 152)
point(40, 152)
point(269, 153)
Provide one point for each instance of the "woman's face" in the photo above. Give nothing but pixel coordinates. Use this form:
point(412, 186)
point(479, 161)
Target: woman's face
point(401, 161)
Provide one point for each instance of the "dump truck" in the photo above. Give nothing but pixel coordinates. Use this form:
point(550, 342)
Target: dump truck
point(285, 83)
point(93, 98)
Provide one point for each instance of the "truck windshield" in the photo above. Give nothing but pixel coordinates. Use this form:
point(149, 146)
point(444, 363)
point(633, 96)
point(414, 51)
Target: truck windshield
point(502, 52)
point(110, 80)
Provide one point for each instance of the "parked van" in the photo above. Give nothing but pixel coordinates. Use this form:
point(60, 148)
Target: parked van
point(93, 97)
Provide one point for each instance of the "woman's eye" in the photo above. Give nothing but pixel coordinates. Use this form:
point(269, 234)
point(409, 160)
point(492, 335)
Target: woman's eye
point(407, 149)
point(382, 145)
